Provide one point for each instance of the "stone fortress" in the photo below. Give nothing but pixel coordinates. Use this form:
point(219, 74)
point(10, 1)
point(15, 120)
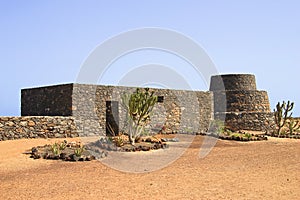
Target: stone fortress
point(72, 110)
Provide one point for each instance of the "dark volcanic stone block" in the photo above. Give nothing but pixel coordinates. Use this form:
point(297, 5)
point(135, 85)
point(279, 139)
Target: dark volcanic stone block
point(47, 101)
point(233, 82)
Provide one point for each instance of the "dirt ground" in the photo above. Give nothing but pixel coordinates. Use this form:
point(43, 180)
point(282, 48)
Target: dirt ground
point(233, 170)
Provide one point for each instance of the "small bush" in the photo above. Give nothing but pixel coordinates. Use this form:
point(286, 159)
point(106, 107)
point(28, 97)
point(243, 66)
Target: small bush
point(78, 151)
point(55, 149)
point(118, 141)
point(248, 135)
point(217, 126)
point(62, 145)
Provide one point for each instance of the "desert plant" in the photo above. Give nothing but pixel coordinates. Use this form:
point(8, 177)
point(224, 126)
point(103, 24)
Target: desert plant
point(248, 136)
point(117, 140)
point(227, 131)
point(138, 106)
point(55, 149)
point(281, 114)
point(235, 136)
point(293, 126)
point(62, 145)
point(78, 151)
point(217, 126)
point(188, 130)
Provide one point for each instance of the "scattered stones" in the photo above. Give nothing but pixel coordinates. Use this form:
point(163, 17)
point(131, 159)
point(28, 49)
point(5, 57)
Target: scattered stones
point(239, 136)
point(291, 136)
point(62, 151)
point(170, 140)
point(145, 144)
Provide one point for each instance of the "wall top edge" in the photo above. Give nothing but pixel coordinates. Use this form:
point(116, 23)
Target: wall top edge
point(48, 86)
point(114, 86)
point(228, 75)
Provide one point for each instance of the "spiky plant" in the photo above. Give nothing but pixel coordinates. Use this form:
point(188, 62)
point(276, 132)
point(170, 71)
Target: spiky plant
point(55, 149)
point(78, 151)
point(139, 106)
point(62, 145)
point(281, 114)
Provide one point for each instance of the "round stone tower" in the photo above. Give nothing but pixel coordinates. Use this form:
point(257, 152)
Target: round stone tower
point(239, 103)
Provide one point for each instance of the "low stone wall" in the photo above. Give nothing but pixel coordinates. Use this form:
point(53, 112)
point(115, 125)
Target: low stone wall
point(37, 127)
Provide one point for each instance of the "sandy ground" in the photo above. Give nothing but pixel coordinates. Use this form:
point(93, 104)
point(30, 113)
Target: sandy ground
point(233, 170)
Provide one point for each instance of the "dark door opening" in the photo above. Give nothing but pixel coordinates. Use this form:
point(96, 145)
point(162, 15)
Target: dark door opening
point(112, 118)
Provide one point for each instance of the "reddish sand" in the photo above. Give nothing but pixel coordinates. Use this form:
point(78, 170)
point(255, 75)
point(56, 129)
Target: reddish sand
point(233, 170)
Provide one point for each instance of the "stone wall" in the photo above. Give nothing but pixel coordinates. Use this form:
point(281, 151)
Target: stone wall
point(243, 100)
point(37, 127)
point(180, 110)
point(173, 114)
point(47, 101)
point(70, 110)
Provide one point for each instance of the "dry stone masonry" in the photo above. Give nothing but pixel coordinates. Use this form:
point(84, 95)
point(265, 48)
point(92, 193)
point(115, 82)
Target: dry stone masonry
point(47, 101)
point(239, 104)
point(37, 127)
point(176, 111)
point(71, 110)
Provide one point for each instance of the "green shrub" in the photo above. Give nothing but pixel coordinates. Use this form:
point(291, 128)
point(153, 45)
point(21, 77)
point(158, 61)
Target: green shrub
point(248, 135)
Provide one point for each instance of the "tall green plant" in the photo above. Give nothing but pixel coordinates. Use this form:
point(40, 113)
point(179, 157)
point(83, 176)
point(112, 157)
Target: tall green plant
point(282, 113)
point(139, 106)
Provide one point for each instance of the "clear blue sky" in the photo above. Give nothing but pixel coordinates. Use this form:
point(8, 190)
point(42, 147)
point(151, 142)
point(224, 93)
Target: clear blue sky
point(45, 42)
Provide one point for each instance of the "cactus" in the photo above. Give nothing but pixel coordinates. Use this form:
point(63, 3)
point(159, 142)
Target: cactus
point(282, 113)
point(293, 126)
point(139, 106)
